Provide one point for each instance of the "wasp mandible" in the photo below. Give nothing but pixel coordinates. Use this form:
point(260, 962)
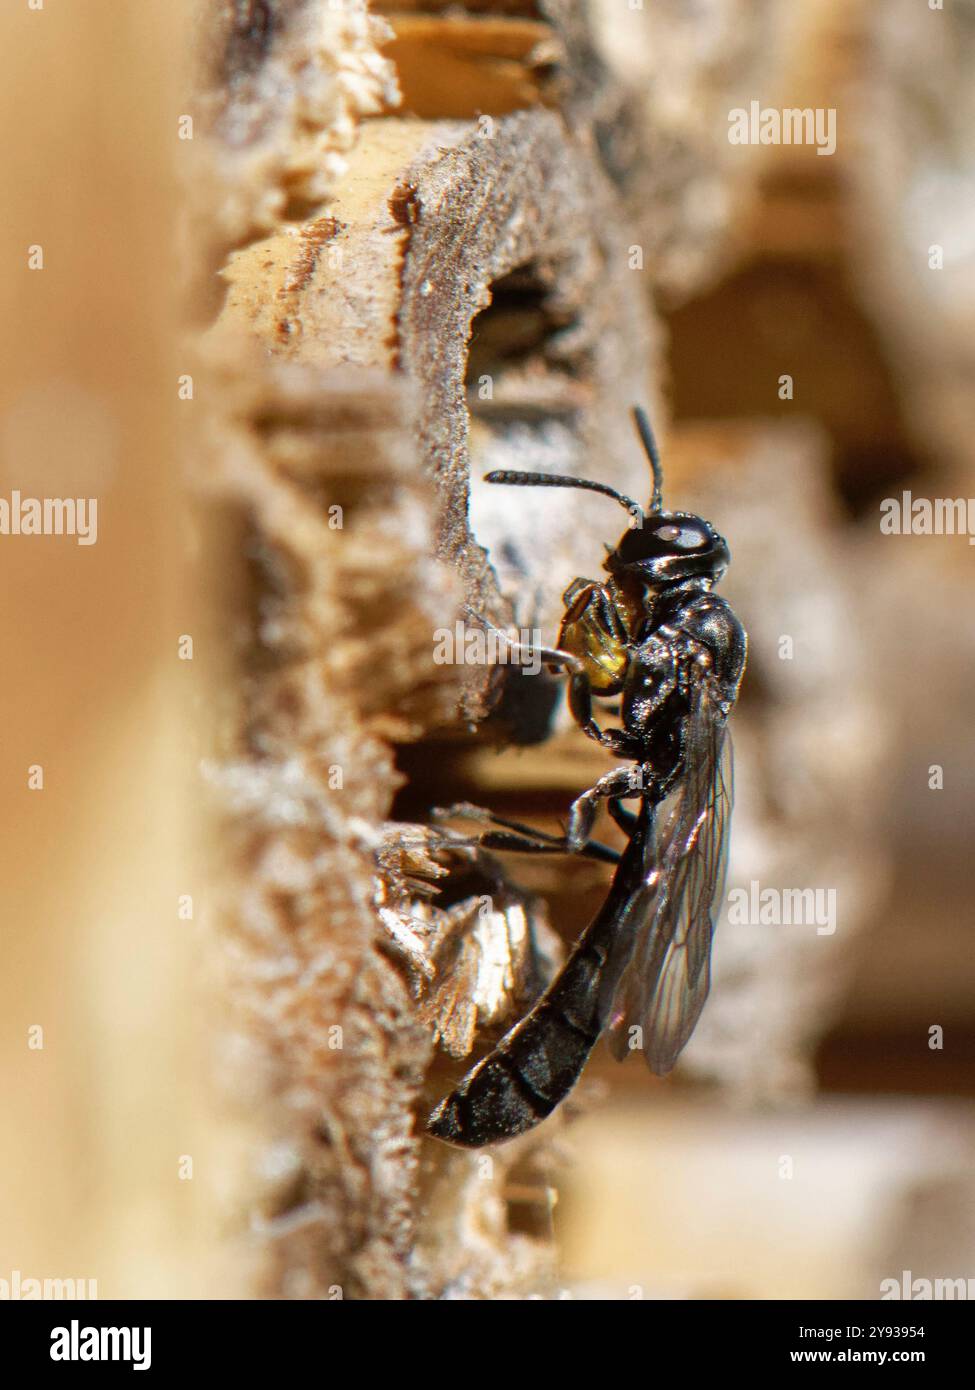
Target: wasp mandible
point(657, 636)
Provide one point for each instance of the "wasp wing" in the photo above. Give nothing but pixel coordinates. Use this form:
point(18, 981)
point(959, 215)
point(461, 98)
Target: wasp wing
point(667, 925)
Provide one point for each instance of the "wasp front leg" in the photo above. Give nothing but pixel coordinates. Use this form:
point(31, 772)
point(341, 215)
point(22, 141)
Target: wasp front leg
point(519, 651)
point(594, 632)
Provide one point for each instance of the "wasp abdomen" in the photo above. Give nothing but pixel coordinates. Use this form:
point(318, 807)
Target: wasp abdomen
point(537, 1063)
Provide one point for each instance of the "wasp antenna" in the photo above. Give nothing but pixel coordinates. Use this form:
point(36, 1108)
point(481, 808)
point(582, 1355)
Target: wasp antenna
point(650, 445)
point(513, 478)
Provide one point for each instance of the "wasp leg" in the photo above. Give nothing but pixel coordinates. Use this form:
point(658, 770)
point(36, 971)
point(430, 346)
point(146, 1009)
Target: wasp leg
point(521, 844)
point(548, 656)
point(524, 839)
point(611, 629)
point(467, 810)
point(580, 689)
point(622, 781)
point(580, 705)
point(616, 741)
point(626, 820)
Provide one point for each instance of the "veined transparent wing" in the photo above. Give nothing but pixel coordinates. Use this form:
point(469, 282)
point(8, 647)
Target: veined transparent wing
point(667, 926)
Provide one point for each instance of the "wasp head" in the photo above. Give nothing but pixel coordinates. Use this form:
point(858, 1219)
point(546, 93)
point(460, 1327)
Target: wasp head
point(670, 548)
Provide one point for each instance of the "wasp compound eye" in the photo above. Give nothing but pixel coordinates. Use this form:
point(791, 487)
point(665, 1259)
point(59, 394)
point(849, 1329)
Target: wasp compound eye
point(683, 537)
point(662, 537)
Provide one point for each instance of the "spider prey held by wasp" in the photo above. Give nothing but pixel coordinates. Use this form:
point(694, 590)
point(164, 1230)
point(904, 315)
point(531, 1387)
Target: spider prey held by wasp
point(657, 636)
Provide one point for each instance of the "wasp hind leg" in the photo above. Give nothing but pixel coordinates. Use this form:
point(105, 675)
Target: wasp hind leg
point(523, 839)
point(624, 818)
point(622, 781)
point(513, 835)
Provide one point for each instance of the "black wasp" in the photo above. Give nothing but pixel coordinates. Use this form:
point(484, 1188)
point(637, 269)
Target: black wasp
point(655, 635)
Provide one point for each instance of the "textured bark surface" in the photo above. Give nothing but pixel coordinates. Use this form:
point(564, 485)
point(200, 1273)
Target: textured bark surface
point(333, 659)
point(412, 247)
